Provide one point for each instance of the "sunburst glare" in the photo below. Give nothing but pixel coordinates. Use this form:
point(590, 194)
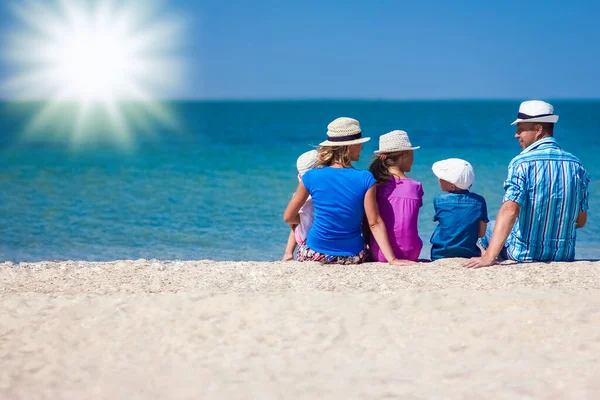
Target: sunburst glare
point(97, 66)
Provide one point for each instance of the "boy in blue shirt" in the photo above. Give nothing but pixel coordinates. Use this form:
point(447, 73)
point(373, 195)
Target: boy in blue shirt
point(461, 215)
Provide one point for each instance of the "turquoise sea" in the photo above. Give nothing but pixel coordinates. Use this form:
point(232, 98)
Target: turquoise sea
point(214, 184)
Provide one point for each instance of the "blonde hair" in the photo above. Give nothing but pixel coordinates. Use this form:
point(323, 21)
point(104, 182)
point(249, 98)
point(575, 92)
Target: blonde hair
point(334, 154)
point(380, 166)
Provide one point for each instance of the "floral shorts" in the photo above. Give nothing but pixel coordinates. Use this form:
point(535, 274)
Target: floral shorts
point(306, 254)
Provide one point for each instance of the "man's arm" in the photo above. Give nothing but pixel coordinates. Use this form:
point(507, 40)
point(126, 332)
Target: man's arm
point(504, 222)
point(581, 219)
point(583, 206)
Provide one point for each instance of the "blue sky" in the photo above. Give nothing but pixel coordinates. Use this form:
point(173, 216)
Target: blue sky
point(429, 49)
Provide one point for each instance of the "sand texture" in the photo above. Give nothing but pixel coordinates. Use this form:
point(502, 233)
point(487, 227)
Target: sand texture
point(147, 329)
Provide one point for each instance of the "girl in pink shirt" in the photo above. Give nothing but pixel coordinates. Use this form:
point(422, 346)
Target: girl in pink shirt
point(399, 198)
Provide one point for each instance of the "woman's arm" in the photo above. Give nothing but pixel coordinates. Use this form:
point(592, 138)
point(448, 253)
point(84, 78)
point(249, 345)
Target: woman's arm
point(291, 216)
point(378, 227)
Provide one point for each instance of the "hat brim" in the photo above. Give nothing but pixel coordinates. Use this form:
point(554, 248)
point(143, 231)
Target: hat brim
point(437, 171)
point(396, 150)
point(346, 143)
point(550, 119)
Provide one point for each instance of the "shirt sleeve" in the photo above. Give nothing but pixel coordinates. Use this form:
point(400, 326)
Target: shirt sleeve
point(421, 193)
point(515, 186)
point(484, 213)
point(369, 180)
point(585, 194)
point(306, 180)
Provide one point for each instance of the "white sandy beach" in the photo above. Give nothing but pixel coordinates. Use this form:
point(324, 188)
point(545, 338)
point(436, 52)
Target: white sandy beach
point(189, 330)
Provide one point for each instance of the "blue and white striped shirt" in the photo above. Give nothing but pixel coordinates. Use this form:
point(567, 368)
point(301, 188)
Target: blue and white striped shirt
point(551, 186)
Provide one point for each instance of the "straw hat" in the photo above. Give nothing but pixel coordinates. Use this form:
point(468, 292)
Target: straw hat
point(536, 111)
point(395, 141)
point(344, 131)
point(306, 161)
point(456, 171)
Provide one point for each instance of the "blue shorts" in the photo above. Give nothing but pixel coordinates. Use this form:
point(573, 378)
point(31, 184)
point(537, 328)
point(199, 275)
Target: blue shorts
point(487, 238)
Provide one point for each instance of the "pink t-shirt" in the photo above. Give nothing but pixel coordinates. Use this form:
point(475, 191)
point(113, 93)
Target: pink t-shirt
point(399, 201)
point(307, 217)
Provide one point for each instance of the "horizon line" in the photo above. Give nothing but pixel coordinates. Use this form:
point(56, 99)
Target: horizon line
point(312, 99)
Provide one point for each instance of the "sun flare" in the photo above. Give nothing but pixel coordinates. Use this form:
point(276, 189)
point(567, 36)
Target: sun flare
point(94, 54)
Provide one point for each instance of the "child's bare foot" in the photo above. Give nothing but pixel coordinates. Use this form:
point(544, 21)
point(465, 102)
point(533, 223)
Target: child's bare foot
point(288, 257)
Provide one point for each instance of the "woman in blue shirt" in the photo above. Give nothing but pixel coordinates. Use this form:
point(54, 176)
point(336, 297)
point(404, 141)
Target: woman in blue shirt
point(341, 195)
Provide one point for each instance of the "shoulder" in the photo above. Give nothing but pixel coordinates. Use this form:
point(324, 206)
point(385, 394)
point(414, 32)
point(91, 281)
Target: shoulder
point(308, 175)
point(565, 155)
point(363, 173)
point(313, 176)
point(312, 172)
point(357, 174)
point(414, 183)
point(317, 172)
point(417, 187)
point(366, 176)
point(440, 198)
point(518, 160)
point(477, 197)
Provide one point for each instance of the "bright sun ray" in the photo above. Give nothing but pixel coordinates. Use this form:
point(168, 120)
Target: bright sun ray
point(108, 59)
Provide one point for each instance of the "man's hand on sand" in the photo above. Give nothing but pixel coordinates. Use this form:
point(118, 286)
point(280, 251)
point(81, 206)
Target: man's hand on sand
point(479, 262)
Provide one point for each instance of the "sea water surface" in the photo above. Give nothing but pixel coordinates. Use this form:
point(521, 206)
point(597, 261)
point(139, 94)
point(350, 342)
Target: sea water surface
point(214, 186)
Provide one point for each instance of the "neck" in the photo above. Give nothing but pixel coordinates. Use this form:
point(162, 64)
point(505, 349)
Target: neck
point(337, 165)
point(395, 171)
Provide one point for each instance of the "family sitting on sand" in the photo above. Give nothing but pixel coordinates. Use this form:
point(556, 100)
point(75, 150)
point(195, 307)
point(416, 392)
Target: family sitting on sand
point(340, 215)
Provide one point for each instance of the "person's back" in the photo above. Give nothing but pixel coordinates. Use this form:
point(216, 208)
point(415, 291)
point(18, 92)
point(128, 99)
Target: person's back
point(459, 215)
point(338, 200)
point(341, 196)
point(545, 196)
point(399, 201)
point(550, 186)
point(399, 198)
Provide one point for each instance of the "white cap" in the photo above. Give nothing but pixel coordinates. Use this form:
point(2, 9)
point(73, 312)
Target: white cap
point(307, 161)
point(536, 111)
point(456, 171)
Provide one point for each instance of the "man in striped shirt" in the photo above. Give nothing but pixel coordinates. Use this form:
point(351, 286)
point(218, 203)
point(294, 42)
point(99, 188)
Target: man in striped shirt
point(545, 200)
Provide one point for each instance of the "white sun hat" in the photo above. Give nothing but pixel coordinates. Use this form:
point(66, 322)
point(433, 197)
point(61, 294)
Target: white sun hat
point(344, 131)
point(536, 111)
point(306, 161)
point(456, 171)
point(395, 141)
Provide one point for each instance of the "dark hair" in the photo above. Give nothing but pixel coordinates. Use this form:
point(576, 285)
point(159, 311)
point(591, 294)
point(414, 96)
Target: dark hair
point(380, 166)
point(547, 128)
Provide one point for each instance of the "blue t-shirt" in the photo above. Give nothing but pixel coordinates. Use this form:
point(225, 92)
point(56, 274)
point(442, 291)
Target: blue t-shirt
point(338, 196)
point(458, 214)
